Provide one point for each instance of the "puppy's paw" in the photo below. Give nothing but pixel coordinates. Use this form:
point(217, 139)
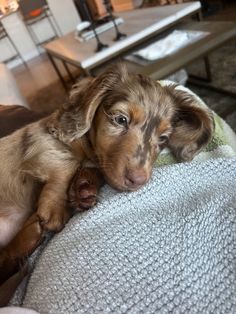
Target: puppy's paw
point(83, 195)
point(53, 219)
point(27, 239)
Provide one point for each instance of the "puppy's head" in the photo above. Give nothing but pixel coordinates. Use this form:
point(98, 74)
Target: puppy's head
point(129, 119)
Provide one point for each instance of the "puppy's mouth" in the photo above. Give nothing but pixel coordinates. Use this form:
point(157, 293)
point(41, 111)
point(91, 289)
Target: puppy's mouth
point(122, 183)
point(122, 187)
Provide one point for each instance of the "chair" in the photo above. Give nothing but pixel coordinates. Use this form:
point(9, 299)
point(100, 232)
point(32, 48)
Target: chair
point(34, 12)
point(16, 54)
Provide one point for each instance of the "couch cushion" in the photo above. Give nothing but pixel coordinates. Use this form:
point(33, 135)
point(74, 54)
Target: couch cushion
point(13, 117)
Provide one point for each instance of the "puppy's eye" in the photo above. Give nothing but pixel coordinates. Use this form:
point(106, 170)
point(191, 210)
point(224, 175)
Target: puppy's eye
point(163, 138)
point(121, 120)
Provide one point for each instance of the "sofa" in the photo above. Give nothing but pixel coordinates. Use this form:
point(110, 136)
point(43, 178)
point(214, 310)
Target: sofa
point(169, 247)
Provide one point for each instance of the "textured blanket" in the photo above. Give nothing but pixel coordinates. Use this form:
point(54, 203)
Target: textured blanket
point(168, 248)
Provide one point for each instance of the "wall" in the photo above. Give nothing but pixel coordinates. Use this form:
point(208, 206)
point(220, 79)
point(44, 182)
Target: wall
point(66, 18)
point(65, 14)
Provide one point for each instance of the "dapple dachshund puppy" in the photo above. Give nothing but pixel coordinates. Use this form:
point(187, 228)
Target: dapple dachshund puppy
point(118, 123)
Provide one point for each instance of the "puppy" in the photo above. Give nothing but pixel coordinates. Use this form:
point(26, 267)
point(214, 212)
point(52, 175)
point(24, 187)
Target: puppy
point(116, 123)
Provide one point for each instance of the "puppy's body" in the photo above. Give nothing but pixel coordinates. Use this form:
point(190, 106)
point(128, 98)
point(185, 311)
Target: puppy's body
point(30, 157)
point(118, 122)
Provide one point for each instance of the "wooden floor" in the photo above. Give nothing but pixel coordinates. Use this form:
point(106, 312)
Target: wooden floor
point(39, 72)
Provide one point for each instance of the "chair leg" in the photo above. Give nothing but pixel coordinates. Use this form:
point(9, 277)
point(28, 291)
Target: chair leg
point(18, 54)
point(33, 34)
point(34, 37)
point(53, 23)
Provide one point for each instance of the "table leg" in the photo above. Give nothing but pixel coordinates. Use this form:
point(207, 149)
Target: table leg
point(208, 77)
point(205, 59)
point(57, 71)
point(68, 72)
point(208, 69)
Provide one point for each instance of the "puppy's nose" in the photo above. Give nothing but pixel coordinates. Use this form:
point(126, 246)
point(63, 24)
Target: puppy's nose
point(135, 179)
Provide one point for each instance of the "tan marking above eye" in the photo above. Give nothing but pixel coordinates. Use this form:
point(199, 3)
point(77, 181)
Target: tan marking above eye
point(134, 112)
point(137, 114)
point(163, 127)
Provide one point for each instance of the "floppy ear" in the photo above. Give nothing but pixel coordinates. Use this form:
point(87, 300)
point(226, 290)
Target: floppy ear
point(193, 125)
point(74, 119)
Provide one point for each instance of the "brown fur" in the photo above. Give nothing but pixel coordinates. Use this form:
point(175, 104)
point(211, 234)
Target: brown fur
point(116, 122)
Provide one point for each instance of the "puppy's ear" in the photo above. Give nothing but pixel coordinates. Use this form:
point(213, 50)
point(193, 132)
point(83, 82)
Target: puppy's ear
point(193, 125)
point(75, 118)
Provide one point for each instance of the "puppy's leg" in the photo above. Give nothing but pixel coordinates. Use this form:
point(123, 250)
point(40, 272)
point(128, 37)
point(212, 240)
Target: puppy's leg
point(53, 208)
point(22, 245)
point(84, 188)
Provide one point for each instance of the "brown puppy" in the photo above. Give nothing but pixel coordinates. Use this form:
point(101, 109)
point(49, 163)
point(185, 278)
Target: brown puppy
point(116, 122)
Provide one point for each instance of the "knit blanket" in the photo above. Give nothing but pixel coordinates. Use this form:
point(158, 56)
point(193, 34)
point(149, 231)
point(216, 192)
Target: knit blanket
point(168, 248)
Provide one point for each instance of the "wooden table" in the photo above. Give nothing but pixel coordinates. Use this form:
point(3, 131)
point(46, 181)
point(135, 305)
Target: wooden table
point(139, 26)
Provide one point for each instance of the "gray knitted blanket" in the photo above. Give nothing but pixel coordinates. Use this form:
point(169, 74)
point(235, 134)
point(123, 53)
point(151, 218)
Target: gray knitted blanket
point(167, 248)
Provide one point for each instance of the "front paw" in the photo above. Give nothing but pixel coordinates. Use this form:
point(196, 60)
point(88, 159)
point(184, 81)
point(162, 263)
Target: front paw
point(83, 195)
point(53, 219)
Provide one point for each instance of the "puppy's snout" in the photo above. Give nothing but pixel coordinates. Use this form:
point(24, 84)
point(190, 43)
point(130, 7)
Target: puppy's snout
point(135, 178)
